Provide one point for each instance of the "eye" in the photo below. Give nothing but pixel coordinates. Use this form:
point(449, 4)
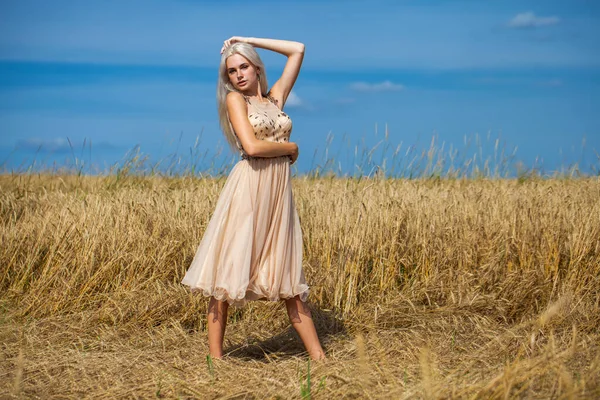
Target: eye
point(244, 66)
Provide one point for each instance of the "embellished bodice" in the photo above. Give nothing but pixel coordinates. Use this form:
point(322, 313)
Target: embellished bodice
point(268, 120)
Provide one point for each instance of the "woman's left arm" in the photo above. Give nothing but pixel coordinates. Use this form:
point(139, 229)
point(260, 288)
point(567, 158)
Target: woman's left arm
point(294, 51)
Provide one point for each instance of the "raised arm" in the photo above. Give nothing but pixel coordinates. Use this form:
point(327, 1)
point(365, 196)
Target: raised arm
point(294, 51)
point(236, 108)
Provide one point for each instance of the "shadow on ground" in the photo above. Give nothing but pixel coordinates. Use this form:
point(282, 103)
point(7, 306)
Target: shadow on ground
point(288, 343)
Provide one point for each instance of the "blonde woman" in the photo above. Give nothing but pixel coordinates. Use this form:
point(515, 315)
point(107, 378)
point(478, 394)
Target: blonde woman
point(252, 246)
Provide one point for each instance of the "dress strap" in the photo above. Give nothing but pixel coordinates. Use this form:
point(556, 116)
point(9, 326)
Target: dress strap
point(272, 100)
point(266, 96)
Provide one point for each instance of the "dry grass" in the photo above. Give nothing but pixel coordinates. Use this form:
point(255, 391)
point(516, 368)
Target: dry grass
point(420, 289)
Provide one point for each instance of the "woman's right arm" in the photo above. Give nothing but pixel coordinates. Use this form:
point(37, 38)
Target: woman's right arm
point(238, 115)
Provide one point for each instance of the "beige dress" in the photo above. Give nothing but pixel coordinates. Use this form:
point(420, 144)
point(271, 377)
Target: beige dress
point(252, 246)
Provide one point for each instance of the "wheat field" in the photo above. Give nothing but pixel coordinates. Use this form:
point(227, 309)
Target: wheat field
point(420, 288)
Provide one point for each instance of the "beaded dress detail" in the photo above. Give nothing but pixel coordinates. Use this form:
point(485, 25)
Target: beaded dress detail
point(269, 122)
point(252, 246)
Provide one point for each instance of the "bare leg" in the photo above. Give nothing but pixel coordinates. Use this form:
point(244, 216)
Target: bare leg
point(217, 320)
point(301, 320)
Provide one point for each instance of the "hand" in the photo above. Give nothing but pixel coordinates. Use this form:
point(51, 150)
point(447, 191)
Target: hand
point(294, 155)
point(230, 41)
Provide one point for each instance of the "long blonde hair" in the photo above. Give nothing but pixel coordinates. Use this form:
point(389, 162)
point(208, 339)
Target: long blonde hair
point(224, 86)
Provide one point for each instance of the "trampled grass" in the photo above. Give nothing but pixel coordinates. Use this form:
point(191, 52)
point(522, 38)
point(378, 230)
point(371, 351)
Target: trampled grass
point(420, 288)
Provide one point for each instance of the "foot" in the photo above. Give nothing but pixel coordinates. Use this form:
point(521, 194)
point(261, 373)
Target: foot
point(317, 355)
point(216, 356)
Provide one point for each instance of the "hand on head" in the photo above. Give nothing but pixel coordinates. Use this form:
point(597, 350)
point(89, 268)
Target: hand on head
point(230, 41)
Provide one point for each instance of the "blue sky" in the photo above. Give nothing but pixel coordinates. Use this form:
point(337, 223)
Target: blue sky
point(92, 80)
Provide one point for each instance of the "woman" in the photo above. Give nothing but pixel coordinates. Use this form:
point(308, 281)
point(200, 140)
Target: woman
point(252, 246)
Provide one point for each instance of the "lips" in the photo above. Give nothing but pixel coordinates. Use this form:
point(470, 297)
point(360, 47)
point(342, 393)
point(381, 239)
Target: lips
point(242, 83)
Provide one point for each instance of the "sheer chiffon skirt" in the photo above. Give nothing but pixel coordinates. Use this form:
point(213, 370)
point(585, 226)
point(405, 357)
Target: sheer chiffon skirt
point(252, 246)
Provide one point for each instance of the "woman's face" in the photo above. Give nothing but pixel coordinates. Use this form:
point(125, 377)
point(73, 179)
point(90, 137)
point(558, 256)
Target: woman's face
point(242, 74)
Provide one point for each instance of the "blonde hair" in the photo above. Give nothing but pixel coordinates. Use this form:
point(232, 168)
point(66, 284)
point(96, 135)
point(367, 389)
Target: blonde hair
point(224, 86)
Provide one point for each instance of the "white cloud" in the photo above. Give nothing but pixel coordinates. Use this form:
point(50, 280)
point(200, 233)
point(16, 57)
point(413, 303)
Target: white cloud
point(293, 100)
point(530, 20)
point(44, 144)
point(376, 87)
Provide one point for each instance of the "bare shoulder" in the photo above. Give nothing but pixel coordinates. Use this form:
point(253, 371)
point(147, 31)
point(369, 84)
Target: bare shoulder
point(235, 99)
